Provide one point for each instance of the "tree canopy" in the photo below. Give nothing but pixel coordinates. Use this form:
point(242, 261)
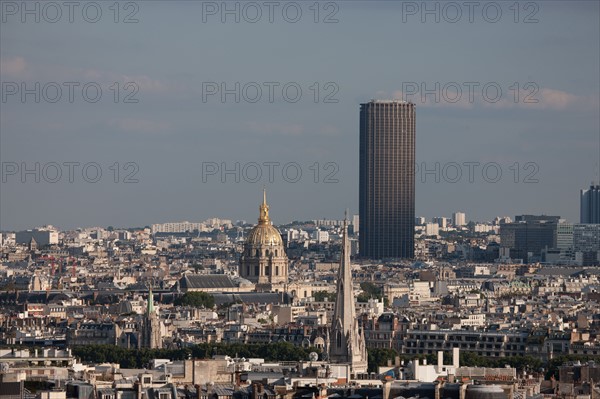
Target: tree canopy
point(196, 299)
point(139, 358)
point(370, 290)
point(322, 296)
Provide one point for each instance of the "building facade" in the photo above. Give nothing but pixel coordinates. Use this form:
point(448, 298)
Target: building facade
point(484, 343)
point(387, 179)
point(41, 237)
point(586, 244)
point(528, 236)
point(459, 219)
point(177, 227)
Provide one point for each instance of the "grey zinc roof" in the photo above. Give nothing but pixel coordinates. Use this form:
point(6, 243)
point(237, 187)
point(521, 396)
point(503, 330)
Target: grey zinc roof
point(558, 271)
point(252, 297)
point(207, 281)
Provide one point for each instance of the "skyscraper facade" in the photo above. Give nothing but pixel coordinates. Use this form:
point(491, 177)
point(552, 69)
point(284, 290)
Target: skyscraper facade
point(387, 179)
point(590, 205)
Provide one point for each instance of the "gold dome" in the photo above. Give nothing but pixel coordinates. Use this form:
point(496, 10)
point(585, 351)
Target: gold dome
point(264, 233)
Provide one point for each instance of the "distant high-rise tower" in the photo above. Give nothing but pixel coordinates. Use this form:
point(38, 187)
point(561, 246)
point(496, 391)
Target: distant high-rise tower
point(347, 340)
point(387, 179)
point(590, 205)
point(458, 219)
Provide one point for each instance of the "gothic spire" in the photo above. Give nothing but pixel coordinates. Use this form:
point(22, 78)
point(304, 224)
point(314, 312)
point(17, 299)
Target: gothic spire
point(347, 341)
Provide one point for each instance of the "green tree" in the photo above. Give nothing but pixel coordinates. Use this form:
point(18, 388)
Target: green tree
point(321, 296)
point(362, 297)
point(370, 290)
point(380, 356)
point(196, 299)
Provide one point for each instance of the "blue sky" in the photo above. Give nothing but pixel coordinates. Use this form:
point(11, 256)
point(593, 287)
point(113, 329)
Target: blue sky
point(175, 52)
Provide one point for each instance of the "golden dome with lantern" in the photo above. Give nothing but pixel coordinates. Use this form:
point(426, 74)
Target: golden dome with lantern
point(263, 234)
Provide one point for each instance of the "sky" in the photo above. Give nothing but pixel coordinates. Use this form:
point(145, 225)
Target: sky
point(133, 113)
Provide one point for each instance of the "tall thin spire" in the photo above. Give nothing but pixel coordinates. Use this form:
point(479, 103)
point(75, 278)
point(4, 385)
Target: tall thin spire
point(264, 210)
point(150, 307)
point(344, 306)
point(346, 339)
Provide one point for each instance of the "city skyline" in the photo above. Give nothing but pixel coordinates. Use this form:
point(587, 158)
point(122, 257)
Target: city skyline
point(249, 221)
point(301, 199)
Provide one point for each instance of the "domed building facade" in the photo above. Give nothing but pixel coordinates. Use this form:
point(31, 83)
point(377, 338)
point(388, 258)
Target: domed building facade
point(263, 260)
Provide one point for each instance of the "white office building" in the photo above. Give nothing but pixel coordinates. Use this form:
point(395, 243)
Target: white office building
point(459, 219)
point(177, 227)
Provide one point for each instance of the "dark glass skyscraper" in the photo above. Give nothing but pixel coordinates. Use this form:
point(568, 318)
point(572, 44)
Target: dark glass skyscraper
point(387, 179)
point(590, 205)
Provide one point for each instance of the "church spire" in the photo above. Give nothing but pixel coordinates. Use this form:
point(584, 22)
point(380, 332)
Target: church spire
point(347, 341)
point(344, 304)
point(150, 307)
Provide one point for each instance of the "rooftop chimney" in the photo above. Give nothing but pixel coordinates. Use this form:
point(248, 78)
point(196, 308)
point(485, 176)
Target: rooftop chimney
point(456, 357)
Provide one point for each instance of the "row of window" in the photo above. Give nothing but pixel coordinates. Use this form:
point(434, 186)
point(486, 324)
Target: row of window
point(257, 271)
point(258, 252)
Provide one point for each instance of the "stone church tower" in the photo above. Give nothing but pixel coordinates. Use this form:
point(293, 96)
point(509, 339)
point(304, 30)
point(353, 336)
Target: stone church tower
point(347, 340)
point(151, 335)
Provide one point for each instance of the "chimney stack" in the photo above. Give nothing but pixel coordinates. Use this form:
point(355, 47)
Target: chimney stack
point(438, 387)
point(387, 386)
point(456, 357)
point(463, 390)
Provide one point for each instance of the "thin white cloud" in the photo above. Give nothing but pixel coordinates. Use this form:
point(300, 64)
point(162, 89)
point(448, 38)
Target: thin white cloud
point(331, 131)
point(540, 99)
point(445, 99)
point(17, 67)
point(547, 99)
point(147, 84)
point(276, 128)
point(139, 125)
point(14, 67)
